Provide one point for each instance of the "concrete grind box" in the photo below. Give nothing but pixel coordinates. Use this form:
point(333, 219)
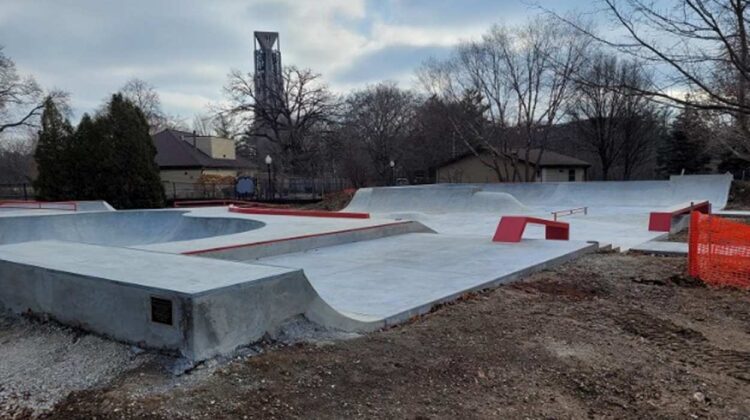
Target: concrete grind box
point(214, 307)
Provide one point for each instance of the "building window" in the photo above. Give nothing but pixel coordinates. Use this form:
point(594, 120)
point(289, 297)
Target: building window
point(571, 175)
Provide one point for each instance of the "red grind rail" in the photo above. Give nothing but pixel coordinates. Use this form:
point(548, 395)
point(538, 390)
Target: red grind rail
point(294, 212)
point(719, 251)
point(291, 238)
point(661, 221)
point(568, 212)
point(221, 203)
point(39, 205)
point(510, 229)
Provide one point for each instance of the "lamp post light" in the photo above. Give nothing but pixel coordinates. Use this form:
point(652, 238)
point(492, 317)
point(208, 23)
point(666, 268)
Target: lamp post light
point(393, 169)
point(269, 161)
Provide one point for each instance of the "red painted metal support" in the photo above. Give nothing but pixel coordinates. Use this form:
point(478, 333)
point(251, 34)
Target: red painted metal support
point(510, 228)
point(293, 212)
point(661, 221)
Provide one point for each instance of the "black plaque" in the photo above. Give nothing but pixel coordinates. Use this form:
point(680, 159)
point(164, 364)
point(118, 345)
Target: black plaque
point(161, 310)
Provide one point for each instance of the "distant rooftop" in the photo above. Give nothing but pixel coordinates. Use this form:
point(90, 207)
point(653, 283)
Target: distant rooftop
point(175, 150)
point(549, 158)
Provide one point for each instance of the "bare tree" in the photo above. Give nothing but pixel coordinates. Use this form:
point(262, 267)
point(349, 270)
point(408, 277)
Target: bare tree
point(381, 118)
point(145, 97)
point(617, 124)
point(522, 75)
point(702, 48)
point(292, 119)
point(17, 161)
point(226, 126)
point(203, 125)
point(21, 98)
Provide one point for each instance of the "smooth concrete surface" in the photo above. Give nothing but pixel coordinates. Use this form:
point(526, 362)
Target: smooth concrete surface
point(395, 278)
point(662, 248)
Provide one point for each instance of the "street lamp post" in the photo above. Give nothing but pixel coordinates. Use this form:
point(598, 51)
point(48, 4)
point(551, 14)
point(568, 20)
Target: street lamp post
point(269, 161)
point(393, 176)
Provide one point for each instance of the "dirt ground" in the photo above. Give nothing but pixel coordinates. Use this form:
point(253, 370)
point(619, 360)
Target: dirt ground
point(608, 335)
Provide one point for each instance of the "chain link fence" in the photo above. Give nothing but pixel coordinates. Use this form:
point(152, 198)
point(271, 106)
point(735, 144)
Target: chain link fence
point(277, 189)
point(16, 192)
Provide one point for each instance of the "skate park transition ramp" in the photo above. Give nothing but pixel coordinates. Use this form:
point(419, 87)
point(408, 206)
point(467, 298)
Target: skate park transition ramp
point(510, 198)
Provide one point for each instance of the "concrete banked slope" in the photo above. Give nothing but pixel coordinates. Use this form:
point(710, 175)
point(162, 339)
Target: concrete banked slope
point(517, 198)
point(617, 212)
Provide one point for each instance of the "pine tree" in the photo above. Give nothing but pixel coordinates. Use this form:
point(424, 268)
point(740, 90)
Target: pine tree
point(129, 177)
point(52, 156)
point(685, 147)
point(89, 151)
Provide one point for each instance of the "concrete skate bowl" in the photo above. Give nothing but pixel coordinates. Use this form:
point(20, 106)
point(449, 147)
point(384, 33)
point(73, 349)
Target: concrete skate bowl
point(435, 199)
point(120, 228)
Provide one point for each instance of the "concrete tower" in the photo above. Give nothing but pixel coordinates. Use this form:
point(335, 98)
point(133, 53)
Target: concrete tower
point(268, 80)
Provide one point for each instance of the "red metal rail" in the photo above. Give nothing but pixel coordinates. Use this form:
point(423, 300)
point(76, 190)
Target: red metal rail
point(510, 229)
point(221, 203)
point(293, 212)
point(568, 212)
point(661, 221)
point(39, 205)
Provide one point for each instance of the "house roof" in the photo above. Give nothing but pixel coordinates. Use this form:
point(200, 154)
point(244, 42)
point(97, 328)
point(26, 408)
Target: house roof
point(174, 152)
point(548, 159)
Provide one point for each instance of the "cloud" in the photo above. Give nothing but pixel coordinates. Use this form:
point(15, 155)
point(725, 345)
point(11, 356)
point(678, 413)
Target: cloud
point(186, 47)
point(395, 62)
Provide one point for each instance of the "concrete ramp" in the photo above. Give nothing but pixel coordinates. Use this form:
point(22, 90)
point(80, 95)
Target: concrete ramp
point(435, 199)
point(510, 198)
point(678, 189)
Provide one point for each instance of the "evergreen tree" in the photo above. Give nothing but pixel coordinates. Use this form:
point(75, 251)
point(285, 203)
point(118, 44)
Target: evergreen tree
point(685, 147)
point(90, 153)
point(128, 176)
point(52, 156)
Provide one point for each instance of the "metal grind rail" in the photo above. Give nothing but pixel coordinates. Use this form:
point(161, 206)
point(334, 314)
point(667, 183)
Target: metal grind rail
point(569, 212)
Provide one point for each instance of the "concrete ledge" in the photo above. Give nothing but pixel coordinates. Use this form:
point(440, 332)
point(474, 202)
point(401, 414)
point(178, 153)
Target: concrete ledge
point(208, 307)
point(269, 248)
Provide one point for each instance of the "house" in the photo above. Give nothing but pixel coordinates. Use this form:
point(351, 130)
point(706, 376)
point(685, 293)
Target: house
point(552, 167)
point(186, 160)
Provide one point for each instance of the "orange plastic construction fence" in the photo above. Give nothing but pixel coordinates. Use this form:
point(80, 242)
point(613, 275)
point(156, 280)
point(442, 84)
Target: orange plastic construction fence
point(719, 250)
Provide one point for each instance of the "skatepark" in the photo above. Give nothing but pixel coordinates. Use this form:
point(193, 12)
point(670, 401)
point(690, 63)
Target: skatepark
point(202, 282)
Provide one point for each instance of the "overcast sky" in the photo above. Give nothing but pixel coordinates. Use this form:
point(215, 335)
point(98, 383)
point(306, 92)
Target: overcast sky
point(186, 48)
